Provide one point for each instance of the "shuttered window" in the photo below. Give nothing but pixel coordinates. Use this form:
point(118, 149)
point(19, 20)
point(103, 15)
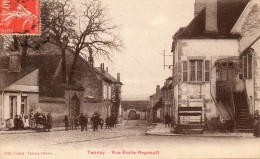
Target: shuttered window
point(196, 71)
point(245, 66)
point(192, 70)
point(199, 70)
point(185, 71)
point(207, 71)
point(249, 66)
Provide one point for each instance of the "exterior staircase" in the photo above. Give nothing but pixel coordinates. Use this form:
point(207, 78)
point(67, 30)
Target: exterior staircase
point(243, 119)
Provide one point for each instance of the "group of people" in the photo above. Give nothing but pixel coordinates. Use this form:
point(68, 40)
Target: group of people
point(96, 120)
point(34, 120)
point(19, 122)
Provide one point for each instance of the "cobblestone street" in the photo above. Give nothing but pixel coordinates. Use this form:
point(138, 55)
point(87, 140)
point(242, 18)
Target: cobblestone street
point(126, 141)
point(131, 128)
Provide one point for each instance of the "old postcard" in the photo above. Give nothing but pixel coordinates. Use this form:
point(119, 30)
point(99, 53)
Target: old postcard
point(144, 79)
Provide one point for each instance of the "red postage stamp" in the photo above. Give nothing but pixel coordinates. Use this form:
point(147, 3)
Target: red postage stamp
point(20, 17)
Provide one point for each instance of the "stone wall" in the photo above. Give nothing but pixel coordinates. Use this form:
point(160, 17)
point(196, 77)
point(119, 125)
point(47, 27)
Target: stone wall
point(57, 109)
point(256, 48)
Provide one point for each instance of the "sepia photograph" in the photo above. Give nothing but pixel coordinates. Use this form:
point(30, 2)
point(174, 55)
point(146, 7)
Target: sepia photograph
point(137, 79)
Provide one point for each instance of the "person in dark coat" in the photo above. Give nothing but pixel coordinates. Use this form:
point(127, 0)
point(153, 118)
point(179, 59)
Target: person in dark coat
point(256, 124)
point(21, 124)
point(107, 122)
point(76, 122)
point(82, 121)
point(16, 122)
point(101, 122)
point(49, 122)
point(167, 120)
point(66, 121)
point(111, 122)
point(86, 123)
point(95, 121)
point(114, 119)
point(36, 118)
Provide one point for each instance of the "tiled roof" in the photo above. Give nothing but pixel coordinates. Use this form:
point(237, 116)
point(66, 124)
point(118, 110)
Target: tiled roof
point(48, 61)
point(228, 12)
point(7, 78)
point(108, 76)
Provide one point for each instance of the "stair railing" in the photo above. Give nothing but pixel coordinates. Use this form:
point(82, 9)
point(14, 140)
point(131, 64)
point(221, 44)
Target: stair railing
point(224, 93)
point(231, 85)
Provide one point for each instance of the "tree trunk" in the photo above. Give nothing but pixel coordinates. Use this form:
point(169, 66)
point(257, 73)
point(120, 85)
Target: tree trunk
point(64, 69)
point(73, 67)
point(16, 44)
point(24, 51)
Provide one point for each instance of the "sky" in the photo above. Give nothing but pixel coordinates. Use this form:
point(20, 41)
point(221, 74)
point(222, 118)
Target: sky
point(146, 28)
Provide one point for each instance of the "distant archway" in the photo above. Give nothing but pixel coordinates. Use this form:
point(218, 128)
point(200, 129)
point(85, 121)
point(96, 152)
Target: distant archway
point(75, 106)
point(132, 115)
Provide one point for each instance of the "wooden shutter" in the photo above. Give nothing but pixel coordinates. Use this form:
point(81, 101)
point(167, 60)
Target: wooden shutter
point(207, 70)
point(249, 66)
point(184, 71)
point(199, 70)
point(192, 70)
point(244, 59)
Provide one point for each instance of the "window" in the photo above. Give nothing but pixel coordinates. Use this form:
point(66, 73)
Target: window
point(24, 105)
point(105, 92)
point(247, 66)
point(13, 106)
point(185, 71)
point(196, 70)
point(108, 92)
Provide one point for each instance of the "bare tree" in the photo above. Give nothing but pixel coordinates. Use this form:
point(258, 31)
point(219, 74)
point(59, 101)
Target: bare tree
point(57, 21)
point(96, 34)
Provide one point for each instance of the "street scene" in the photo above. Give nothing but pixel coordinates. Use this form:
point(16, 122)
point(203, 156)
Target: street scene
point(130, 79)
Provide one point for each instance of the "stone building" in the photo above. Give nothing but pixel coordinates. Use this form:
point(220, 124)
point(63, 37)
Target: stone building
point(155, 106)
point(133, 110)
point(196, 49)
point(38, 86)
point(248, 27)
point(167, 95)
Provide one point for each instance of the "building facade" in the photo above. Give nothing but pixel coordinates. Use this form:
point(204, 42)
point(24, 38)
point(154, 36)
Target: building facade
point(38, 86)
point(196, 49)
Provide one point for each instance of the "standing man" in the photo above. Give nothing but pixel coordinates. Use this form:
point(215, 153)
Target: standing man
point(107, 122)
point(94, 121)
point(36, 118)
point(86, 122)
point(49, 122)
point(82, 121)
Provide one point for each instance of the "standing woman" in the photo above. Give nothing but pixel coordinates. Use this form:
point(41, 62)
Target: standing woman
point(256, 124)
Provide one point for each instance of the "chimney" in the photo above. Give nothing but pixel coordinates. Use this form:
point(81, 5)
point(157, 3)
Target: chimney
point(157, 88)
point(91, 61)
point(211, 26)
point(103, 68)
point(199, 6)
point(14, 62)
point(107, 69)
point(118, 77)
